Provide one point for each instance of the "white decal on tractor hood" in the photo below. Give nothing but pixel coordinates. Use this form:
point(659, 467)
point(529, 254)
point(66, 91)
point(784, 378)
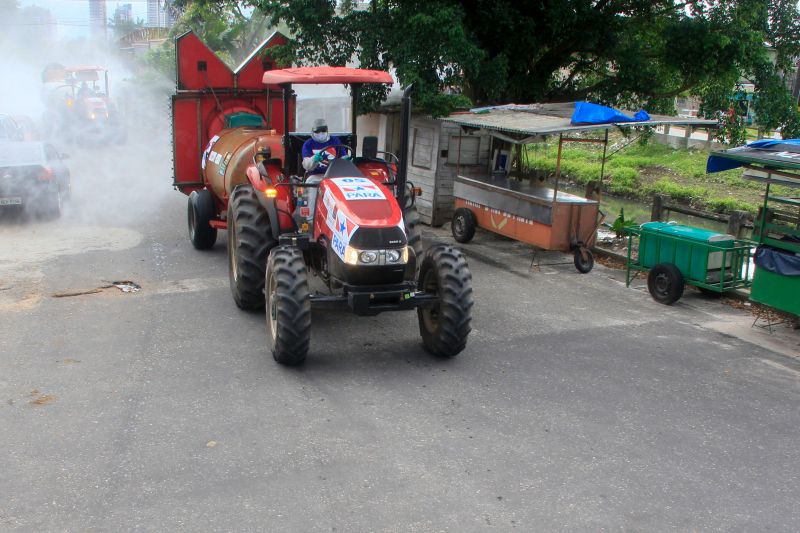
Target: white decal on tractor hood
point(359, 189)
point(342, 233)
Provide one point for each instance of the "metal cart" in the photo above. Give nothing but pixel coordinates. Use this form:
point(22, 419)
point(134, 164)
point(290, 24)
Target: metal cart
point(675, 255)
point(544, 217)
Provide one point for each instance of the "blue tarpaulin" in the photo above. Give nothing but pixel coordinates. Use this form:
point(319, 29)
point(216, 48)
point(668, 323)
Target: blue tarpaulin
point(716, 163)
point(587, 113)
point(777, 261)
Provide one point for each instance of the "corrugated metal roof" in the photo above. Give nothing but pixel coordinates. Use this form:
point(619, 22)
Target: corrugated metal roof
point(549, 119)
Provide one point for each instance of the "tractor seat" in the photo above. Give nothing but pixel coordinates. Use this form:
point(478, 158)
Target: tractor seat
point(343, 168)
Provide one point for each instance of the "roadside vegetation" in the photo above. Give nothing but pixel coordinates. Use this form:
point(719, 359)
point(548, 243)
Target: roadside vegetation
point(641, 170)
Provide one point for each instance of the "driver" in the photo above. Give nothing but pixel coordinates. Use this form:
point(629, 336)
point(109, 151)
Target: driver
point(320, 148)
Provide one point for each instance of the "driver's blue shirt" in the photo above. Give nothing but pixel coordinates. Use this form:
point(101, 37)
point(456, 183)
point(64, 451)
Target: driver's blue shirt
point(311, 147)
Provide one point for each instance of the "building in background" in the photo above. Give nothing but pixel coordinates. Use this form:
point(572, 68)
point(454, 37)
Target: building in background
point(123, 13)
point(98, 18)
point(161, 13)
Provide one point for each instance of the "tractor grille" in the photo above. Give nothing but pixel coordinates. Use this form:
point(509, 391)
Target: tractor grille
point(378, 238)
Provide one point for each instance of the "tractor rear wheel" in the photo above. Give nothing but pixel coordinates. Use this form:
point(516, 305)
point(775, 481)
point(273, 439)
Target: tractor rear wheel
point(463, 225)
point(413, 233)
point(288, 306)
point(249, 242)
point(445, 326)
point(665, 283)
point(201, 211)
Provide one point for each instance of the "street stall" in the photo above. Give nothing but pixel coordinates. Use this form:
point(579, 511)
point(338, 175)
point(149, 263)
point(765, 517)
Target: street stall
point(544, 217)
point(776, 164)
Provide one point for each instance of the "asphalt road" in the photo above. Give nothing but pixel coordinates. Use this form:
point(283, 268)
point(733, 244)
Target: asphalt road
point(577, 405)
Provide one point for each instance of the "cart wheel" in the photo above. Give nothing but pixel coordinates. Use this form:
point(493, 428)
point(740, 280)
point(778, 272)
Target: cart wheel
point(584, 264)
point(665, 283)
point(463, 225)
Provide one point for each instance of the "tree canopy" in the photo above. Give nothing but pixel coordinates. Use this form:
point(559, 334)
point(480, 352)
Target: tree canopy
point(621, 52)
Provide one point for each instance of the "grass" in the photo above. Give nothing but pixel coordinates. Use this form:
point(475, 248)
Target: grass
point(640, 171)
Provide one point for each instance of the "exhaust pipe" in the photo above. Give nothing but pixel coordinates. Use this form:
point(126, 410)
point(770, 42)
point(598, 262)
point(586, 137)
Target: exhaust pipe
point(405, 131)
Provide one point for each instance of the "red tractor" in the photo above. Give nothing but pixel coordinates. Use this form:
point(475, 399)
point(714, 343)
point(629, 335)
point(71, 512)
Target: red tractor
point(78, 106)
point(355, 228)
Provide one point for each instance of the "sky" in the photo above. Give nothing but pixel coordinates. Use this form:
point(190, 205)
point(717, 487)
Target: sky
point(72, 16)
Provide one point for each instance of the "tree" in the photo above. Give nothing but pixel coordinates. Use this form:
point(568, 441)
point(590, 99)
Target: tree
point(226, 26)
point(622, 52)
point(122, 27)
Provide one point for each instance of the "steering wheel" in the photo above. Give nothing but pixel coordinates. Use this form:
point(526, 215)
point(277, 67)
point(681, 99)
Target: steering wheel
point(337, 146)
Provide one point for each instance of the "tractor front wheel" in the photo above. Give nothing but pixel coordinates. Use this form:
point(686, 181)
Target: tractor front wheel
point(665, 283)
point(201, 211)
point(249, 241)
point(463, 225)
point(445, 326)
point(288, 306)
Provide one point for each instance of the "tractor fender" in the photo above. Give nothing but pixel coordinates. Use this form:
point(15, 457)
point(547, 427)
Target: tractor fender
point(260, 183)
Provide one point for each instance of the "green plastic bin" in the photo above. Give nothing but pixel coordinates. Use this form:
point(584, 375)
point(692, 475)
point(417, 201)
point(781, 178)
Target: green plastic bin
point(698, 253)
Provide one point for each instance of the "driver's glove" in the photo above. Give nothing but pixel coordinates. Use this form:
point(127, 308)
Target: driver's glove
point(318, 157)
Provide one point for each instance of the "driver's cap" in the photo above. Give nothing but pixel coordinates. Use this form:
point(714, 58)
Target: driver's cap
point(319, 125)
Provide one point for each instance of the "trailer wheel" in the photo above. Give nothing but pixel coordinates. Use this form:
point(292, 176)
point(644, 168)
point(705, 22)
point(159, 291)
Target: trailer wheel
point(288, 306)
point(413, 233)
point(665, 283)
point(445, 327)
point(463, 225)
point(583, 264)
point(249, 242)
point(200, 212)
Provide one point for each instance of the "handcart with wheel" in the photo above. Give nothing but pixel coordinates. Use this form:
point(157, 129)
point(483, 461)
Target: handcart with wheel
point(545, 217)
point(675, 255)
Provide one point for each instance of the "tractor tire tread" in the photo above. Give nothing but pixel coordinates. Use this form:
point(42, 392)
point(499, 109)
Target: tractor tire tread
point(414, 234)
point(455, 301)
point(247, 217)
point(293, 305)
point(201, 205)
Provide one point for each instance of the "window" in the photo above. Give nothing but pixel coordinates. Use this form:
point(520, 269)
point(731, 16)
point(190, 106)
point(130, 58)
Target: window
point(470, 147)
point(422, 153)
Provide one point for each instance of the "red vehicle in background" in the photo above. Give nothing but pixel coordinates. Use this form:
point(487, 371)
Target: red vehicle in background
point(355, 227)
point(78, 105)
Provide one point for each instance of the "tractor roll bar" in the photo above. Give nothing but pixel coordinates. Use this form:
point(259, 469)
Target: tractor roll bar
point(402, 170)
point(287, 95)
point(354, 89)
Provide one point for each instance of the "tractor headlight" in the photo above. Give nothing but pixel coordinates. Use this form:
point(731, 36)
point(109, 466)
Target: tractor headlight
point(393, 256)
point(368, 257)
point(354, 256)
point(351, 255)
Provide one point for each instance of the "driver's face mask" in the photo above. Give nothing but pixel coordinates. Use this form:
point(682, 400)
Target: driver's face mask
point(320, 135)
